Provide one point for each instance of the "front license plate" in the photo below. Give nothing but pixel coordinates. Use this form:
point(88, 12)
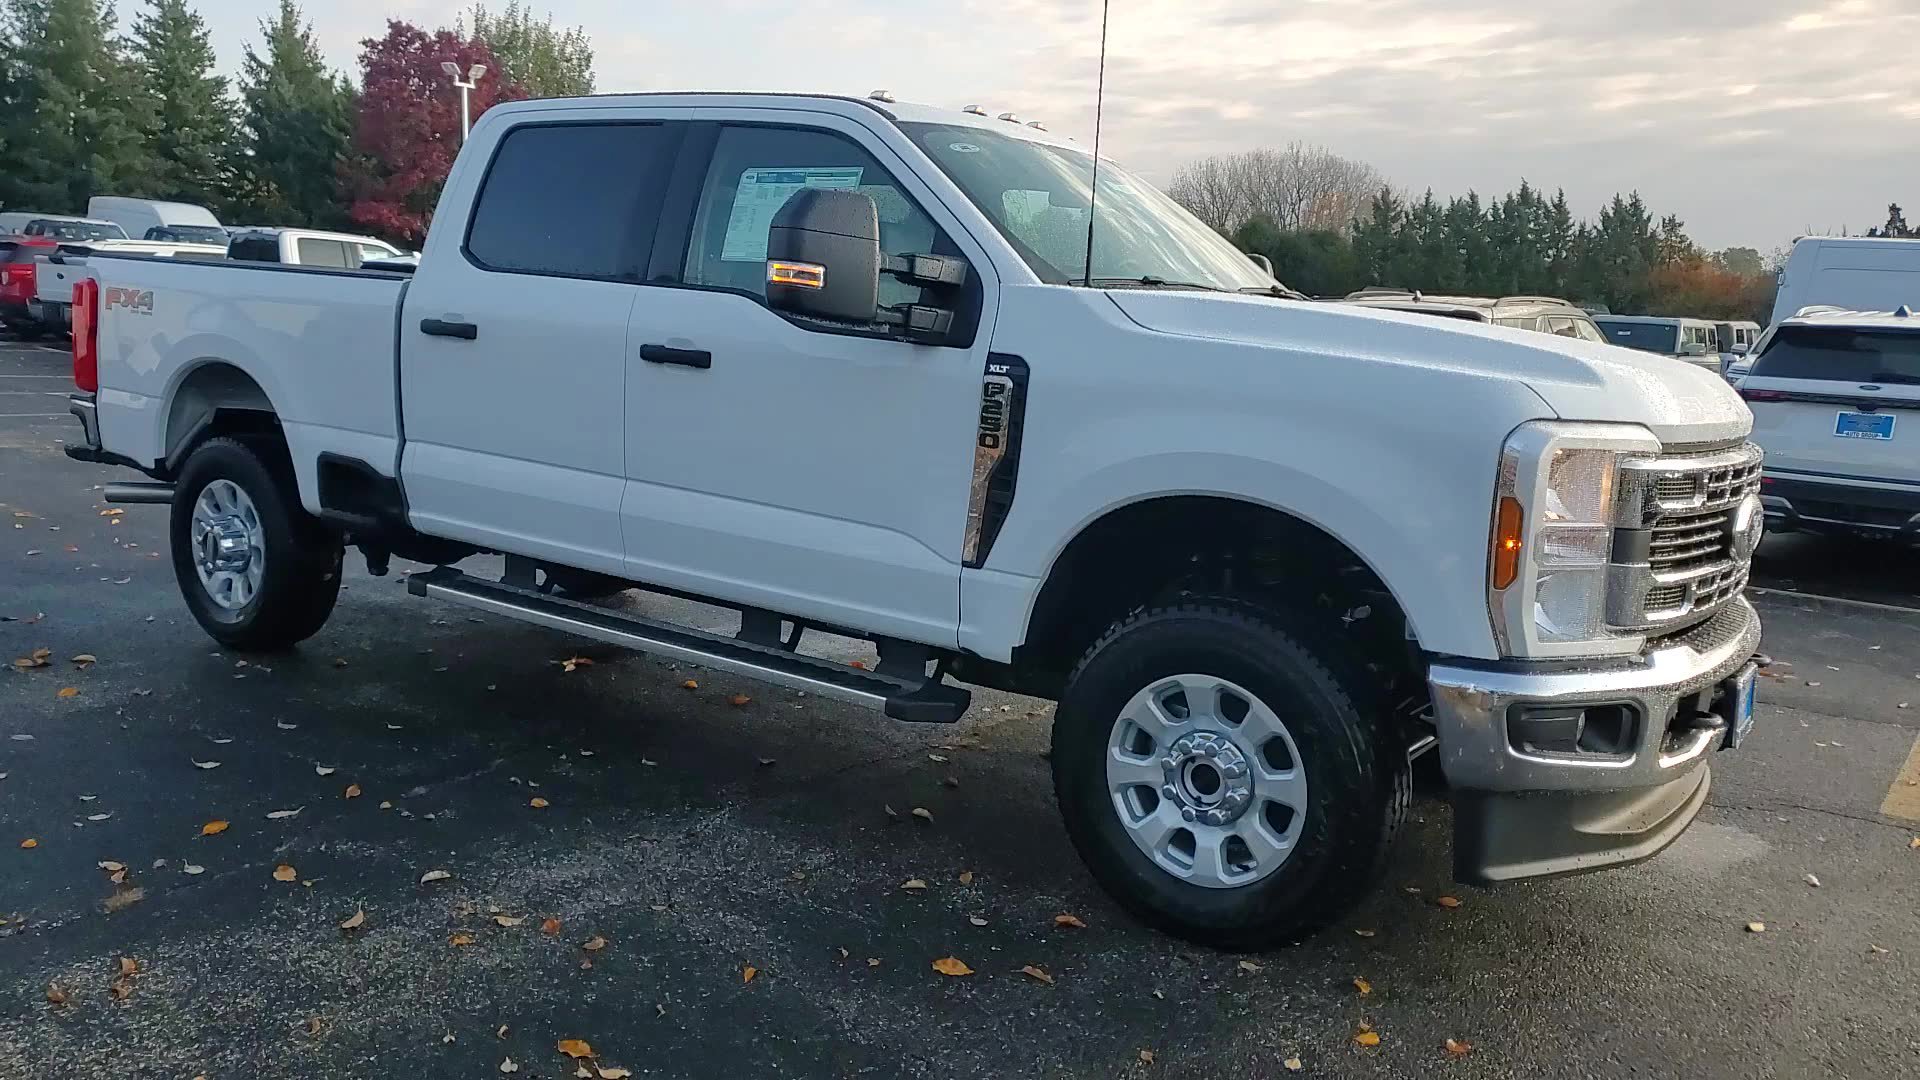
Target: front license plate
point(1734, 703)
point(1860, 425)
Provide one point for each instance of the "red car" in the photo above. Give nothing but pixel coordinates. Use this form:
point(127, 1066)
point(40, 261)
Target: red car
point(17, 282)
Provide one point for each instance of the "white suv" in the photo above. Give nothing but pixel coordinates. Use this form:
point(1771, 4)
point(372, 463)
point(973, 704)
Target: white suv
point(1832, 392)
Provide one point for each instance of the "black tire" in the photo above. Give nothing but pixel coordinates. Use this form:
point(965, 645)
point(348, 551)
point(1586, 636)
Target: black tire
point(1358, 781)
point(301, 579)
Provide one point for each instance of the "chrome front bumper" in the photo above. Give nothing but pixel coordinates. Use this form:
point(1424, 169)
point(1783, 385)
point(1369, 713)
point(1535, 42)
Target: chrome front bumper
point(1521, 812)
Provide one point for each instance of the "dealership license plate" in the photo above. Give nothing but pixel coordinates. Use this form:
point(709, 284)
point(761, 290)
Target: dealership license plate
point(1735, 705)
point(1860, 425)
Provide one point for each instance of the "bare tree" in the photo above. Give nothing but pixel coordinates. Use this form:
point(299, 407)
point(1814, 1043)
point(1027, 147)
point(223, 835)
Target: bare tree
point(1298, 187)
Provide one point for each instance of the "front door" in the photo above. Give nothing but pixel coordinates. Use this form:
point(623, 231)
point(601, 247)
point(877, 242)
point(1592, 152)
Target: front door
point(814, 472)
point(513, 341)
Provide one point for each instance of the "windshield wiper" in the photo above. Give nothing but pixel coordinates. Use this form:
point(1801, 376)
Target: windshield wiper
point(1148, 281)
point(1280, 291)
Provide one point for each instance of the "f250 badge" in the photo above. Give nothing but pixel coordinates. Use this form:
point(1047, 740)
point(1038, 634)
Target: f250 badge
point(136, 301)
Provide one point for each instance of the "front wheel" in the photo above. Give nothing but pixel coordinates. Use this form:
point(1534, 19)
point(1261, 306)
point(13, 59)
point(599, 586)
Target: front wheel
point(1218, 777)
point(256, 570)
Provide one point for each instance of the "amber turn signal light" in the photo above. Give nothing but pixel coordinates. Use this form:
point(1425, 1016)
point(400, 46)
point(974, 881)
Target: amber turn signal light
point(798, 274)
point(1506, 542)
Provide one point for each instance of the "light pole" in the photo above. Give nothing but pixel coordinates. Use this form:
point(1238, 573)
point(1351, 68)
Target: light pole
point(467, 85)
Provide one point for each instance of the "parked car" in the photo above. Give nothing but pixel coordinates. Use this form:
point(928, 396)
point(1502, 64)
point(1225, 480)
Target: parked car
point(155, 219)
point(18, 285)
point(73, 228)
point(308, 247)
point(1546, 314)
point(14, 222)
point(1694, 341)
point(1263, 552)
point(1833, 393)
point(56, 273)
point(1736, 340)
point(1857, 273)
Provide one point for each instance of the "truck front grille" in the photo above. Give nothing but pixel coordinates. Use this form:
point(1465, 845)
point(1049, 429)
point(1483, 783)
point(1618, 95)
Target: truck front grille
point(1681, 513)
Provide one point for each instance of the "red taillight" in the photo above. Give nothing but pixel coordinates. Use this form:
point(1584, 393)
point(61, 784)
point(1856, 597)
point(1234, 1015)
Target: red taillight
point(86, 335)
point(1764, 395)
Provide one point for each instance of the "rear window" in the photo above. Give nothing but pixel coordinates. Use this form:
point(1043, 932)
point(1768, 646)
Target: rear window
point(255, 249)
point(1647, 337)
point(1836, 354)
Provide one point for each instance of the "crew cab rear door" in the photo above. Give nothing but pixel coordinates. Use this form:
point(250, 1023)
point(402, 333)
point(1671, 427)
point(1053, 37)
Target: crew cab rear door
point(1838, 402)
point(513, 340)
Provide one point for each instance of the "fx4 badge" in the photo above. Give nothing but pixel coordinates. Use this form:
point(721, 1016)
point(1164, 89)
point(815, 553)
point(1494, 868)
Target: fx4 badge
point(136, 301)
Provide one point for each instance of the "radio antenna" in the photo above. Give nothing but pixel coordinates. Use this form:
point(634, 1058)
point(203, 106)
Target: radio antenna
point(1099, 98)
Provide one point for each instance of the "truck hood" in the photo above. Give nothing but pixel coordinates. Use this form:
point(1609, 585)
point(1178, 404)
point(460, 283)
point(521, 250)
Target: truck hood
point(1580, 380)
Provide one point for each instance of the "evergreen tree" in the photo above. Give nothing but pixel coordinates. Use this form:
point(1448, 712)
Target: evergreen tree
point(192, 123)
point(294, 127)
point(543, 61)
point(71, 114)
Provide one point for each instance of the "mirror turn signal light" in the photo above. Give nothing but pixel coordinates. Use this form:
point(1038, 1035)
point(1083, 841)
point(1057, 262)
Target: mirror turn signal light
point(797, 274)
point(1506, 542)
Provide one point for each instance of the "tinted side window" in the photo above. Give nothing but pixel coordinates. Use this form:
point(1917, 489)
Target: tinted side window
point(573, 200)
point(255, 249)
point(755, 170)
point(313, 251)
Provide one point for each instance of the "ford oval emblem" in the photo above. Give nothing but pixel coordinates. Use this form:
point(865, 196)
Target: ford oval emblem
point(1745, 529)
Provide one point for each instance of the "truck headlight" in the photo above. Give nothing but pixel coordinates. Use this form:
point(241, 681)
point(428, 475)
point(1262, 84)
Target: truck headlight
point(1554, 515)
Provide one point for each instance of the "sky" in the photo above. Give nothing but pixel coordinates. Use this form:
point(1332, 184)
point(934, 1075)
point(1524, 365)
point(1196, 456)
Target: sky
point(1755, 121)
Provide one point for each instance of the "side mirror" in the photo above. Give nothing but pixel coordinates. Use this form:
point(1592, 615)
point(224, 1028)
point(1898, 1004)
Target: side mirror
point(824, 262)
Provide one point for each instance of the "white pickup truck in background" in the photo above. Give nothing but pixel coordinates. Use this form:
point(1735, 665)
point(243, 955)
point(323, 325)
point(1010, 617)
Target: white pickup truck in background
point(841, 364)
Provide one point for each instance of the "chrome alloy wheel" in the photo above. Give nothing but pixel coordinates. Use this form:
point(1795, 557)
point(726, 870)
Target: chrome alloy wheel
point(1207, 781)
point(229, 544)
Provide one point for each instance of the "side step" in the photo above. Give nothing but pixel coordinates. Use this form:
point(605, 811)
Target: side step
point(929, 701)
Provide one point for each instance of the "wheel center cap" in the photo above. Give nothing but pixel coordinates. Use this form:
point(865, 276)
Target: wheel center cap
point(1207, 777)
point(226, 546)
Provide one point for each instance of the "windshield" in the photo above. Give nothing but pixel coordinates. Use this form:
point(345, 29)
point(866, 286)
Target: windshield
point(1841, 355)
point(1037, 196)
point(1660, 338)
point(188, 234)
point(77, 230)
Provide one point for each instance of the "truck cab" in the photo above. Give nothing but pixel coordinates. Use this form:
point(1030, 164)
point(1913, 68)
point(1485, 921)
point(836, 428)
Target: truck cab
point(910, 374)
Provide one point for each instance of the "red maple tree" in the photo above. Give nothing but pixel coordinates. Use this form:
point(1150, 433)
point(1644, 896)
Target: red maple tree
point(407, 126)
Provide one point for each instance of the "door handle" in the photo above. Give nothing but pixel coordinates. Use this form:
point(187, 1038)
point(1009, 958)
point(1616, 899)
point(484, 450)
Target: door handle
point(465, 331)
point(662, 354)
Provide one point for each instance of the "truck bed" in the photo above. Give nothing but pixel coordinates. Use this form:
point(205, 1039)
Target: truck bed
point(319, 343)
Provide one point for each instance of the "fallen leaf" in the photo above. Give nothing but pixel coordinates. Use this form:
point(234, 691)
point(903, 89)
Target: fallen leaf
point(1447, 901)
point(976, 920)
point(574, 1048)
point(690, 685)
point(747, 973)
point(112, 867)
point(284, 726)
point(1458, 1047)
point(282, 815)
point(324, 770)
point(1363, 986)
point(118, 877)
point(765, 761)
point(124, 899)
point(1070, 921)
point(192, 870)
point(85, 658)
point(433, 876)
point(98, 817)
point(539, 803)
point(1877, 950)
point(948, 965)
point(550, 926)
point(1248, 967)
point(1146, 1057)
point(57, 996)
point(1035, 973)
point(355, 921)
point(738, 700)
point(502, 1033)
point(508, 920)
point(1293, 1064)
point(112, 512)
point(649, 762)
point(1813, 881)
point(509, 1066)
point(68, 691)
point(29, 843)
point(594, 943)
point(966, 877)
point(353, 792)
point(129, 966)
point(460, 939)
point(892, 814)
point(923, 813)
point(1914, 844)
point(937, 759)
point(1366, 1038)
point(873, 961)
point(614, 1074)
point(1756, 928)
point(283, 872)
point(574, 662)
point(1365, 933)
point(204, 764)
point(913, 885)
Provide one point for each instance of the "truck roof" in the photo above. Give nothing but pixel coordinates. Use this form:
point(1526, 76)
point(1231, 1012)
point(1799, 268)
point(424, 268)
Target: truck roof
point(880, 101)
point(1824, 315)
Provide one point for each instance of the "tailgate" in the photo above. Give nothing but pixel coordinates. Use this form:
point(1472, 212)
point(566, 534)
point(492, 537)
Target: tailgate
point(54, 281)
point(1840, 402)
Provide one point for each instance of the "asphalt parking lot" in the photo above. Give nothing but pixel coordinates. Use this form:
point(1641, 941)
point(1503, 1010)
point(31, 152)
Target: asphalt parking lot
point(685, 840)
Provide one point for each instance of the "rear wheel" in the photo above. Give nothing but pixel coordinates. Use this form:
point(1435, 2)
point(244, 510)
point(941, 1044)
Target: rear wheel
point(256, 570)
point(1220, 780)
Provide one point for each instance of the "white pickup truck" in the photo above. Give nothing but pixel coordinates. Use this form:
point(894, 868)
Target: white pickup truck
point(841, 364)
